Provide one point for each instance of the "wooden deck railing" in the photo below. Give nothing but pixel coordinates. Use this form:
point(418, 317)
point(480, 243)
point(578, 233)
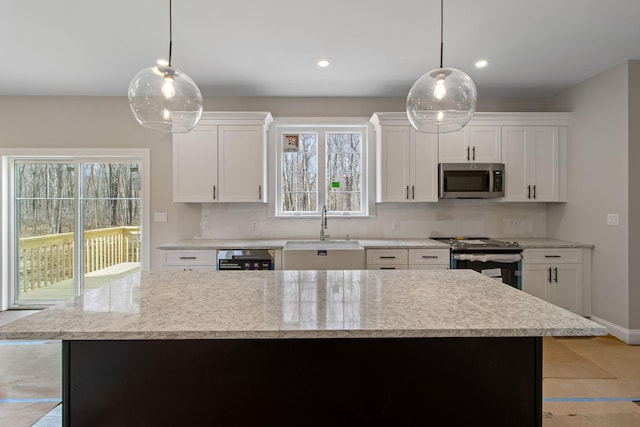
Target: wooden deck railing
point(45, 260)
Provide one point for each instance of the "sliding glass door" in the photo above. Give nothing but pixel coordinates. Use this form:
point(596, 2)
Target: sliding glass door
point(77, 226)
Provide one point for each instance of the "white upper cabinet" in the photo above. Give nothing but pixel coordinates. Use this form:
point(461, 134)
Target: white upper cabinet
point(532, 163)
point(195, 165)
point(472, 144)
point(241, 171)
point(223, 159)
point(407, 161)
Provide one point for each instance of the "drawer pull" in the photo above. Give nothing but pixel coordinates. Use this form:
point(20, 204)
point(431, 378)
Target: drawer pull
point(553, 256)
point(187, 257)
point(387, 257)
point(429, 256)
point(387, 268)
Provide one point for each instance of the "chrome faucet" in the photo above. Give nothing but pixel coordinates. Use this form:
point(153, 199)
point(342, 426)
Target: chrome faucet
point(323, 224)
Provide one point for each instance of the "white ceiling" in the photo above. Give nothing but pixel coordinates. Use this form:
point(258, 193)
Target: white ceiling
point(535, 48)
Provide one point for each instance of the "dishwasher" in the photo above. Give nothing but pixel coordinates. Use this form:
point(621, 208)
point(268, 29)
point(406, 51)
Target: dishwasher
point(245, 259)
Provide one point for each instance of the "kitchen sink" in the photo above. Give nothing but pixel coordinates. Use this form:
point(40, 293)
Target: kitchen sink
point(322, 244)
point(323, 255)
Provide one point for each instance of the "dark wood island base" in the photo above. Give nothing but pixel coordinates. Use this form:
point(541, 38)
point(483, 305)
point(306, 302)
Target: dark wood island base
point(304, 382)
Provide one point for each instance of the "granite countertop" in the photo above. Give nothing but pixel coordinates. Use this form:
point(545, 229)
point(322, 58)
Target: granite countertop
point(542, 242)
point(208, 244)
point(301, 304)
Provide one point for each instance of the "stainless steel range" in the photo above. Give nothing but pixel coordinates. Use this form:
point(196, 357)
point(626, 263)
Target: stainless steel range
point(499, 259)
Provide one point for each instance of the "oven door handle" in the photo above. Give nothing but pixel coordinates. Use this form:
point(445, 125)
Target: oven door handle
point(480, 257)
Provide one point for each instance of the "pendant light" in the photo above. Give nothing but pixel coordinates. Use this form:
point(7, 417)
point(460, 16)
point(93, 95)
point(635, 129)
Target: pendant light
point(442, 100)
point(164, 98)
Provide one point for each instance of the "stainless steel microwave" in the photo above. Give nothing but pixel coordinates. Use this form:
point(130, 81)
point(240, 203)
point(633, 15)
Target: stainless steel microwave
point(471, 180)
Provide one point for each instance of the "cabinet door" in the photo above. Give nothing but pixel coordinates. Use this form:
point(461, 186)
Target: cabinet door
point(452, 147)
point(535, 280)
point(485, 144)
point(241, 166)
point(515, 148)
point(195, 165)
point(424, 168)
point(566, 285)
point(393, 164)
point(546, 164)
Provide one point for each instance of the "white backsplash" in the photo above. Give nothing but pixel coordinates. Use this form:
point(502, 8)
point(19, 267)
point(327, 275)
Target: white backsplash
point(391, 220)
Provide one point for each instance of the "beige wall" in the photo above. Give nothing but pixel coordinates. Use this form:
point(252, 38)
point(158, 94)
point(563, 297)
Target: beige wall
point(634, 195)
point(598, 183)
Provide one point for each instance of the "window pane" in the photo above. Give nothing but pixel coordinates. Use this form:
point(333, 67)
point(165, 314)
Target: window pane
point(45, 222)
point(300, 176)
point(344, 153)
point(111, 205)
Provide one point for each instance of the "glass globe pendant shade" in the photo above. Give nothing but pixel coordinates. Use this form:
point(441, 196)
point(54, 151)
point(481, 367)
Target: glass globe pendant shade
point(165, 99)
point(441, 101)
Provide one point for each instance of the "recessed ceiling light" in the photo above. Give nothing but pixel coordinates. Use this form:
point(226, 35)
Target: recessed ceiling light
point(482, 63)
point(323, 63)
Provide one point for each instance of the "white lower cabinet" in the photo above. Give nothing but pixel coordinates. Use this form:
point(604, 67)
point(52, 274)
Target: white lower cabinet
point(387, 259)
point(429, 259)
point(188, 260)
point(559, 276)
point(411, 259)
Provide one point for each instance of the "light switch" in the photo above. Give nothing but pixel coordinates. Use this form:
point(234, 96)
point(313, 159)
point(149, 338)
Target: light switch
point(613, 219)
point(160, 217)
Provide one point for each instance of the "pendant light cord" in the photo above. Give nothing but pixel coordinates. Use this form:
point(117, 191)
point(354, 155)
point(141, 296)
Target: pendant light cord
point(171, 33)
point(441, 32)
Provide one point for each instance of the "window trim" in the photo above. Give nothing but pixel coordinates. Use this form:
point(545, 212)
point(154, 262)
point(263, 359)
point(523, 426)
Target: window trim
point(7, 232)
point(320, 125)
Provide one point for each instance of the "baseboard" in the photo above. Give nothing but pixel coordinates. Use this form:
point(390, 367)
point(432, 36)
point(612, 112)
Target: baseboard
point(630, 336)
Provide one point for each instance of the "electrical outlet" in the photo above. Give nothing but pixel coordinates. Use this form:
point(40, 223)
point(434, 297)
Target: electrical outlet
point(160, 217)
point(613, 219)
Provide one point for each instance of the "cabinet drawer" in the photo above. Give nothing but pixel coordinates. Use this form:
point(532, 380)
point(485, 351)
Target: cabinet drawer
point(202, 257)
point(429, 256)
point(552, 256)
point(387, 256)
point(386, 267)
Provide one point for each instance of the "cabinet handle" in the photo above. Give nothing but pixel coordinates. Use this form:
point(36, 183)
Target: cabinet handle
point(556, 278)
point(553, 256)
point(387, 268)
point(259, 192)
point(549, 270)
point(407, 192)
point(187, 257)
point(387, 257)
point(474, 153)
point(528, 191)
point(413, 192)
point(214, 192)
point(429, 256)
point(468, 157)
point(534, 191)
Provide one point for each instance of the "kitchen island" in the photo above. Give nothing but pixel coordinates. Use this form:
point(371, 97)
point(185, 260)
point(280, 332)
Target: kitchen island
point(303, 348)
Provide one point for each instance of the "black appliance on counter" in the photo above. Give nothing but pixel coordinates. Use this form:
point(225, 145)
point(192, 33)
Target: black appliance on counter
point(245, 259)
point(499, 259)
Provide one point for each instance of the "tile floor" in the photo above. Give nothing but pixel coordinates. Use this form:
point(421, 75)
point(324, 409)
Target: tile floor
point(587, 382)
